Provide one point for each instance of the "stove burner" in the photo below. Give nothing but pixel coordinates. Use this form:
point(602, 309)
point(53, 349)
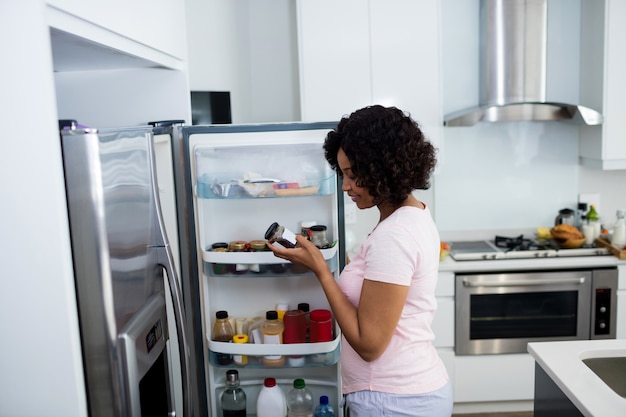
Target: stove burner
point(519, 243)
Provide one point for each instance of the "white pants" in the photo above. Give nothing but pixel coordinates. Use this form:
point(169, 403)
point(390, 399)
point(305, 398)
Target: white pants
point(381, 404)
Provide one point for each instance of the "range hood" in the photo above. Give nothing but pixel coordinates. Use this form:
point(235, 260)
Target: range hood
point(513, 48)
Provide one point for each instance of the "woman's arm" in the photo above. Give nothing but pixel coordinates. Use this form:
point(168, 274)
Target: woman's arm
point(367, 328)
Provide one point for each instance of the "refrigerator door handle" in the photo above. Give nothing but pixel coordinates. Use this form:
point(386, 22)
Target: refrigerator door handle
point(181, 327)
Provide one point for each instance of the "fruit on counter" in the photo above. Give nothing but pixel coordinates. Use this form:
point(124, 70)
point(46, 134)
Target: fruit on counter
point(565, 232)
point(592, 214)
point(444, 250)
point(543, 233)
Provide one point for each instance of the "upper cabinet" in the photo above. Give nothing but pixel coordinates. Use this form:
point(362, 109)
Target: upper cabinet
point(355, 53)
point(126, 31)
point(603, 84)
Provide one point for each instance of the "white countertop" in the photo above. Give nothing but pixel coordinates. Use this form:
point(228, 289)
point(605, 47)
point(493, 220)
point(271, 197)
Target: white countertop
point(562, 361)
point(450, 264)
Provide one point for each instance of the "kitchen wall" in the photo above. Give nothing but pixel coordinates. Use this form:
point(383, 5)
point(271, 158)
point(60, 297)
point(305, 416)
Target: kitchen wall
point(513, 175)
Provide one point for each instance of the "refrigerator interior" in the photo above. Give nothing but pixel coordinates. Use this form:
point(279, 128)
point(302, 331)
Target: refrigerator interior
point(226, 208)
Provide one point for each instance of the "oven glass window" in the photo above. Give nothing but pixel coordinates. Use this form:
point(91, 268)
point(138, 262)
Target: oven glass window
point(523, 315)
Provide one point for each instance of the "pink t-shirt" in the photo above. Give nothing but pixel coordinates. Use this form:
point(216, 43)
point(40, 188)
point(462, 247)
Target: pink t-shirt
point(403, 249)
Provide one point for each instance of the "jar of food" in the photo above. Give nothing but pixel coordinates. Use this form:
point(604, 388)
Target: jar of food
point(258, 246)
point(220, 269)
point(318, 236)
point(277, 234)
point(238, 246)
point(305, 226)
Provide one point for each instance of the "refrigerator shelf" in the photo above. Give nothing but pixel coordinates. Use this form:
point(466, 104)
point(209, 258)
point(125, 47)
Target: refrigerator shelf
point(226, 189)
point(299, 361)
point(266, 258)
point(254, 349)
point(253, 270)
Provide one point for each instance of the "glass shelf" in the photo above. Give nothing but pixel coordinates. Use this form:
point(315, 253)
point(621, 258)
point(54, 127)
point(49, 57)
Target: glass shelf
point(209, 187)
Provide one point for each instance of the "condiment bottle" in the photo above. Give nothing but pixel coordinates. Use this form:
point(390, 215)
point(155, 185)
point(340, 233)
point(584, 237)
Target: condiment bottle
point(233, 397)
point(321, 328)
point(272, 331)
point(240, 359)
point(619, 230)
point(222, 332)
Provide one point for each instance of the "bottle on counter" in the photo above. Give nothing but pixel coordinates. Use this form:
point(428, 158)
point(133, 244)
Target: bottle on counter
point(272, 331)
point(222, 332)
point(300, 400)
point(593, 218)
point(233, 397)
point(324, 409)
point(271, 401)
point(619, 230)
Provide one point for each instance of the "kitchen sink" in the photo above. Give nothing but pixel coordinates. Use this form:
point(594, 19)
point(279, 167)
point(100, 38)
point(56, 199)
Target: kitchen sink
point(611, 370)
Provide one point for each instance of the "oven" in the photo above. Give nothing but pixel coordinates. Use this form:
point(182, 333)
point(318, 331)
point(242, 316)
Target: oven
point(502, 312)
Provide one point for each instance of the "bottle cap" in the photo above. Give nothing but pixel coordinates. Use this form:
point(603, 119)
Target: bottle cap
point(222, 314)
point(299, 383)
point(240, 338)
point(269, 382)
point(324, 400)
point(271, 315)
point(304, 307)
point(232, 375)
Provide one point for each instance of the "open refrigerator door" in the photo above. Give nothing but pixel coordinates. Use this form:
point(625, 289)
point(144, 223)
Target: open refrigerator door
point(233, 182)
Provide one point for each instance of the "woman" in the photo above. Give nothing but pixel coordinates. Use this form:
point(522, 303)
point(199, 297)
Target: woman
point(384, 300)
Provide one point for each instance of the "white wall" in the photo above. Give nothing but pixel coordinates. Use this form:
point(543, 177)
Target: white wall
point(490, 176)
point(41, 359)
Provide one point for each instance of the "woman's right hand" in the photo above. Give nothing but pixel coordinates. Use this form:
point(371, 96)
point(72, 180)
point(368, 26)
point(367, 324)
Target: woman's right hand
point(305, 253)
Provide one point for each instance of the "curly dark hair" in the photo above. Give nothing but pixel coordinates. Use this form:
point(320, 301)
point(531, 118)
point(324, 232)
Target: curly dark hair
point(387, 150)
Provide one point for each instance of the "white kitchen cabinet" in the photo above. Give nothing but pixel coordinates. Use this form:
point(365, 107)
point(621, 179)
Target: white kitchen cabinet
point(146, 28)
point(603, 85)
point(484, 378)
point(443, 323)
point(355, 53)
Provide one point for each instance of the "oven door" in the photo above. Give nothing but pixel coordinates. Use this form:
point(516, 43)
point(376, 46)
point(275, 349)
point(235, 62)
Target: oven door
point(502, 313)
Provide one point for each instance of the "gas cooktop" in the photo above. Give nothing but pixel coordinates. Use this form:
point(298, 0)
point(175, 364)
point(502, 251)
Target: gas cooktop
point(516, 248)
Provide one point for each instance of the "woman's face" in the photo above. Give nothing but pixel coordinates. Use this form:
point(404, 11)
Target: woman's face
point(359, 195)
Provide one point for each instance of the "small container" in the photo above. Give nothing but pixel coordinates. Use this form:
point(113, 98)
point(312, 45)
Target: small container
point(295, 327)
point(258, 246)
point(238, 246)
point(619, 230)
point(240, 360)
point(222, 332)
point(321, 327)
point(272, 331)
point(305, 226)
point(318, 236)
point(220, 269)
point(277, 234)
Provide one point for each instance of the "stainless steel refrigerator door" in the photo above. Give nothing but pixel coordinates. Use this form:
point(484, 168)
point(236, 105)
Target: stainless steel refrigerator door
point(114, 226)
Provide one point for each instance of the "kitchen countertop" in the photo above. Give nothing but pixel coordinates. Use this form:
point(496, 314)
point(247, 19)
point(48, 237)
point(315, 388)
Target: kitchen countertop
point(451, 265)
point(562, 361)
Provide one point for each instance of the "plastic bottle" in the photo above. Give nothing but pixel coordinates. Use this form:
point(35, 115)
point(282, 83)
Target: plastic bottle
point(300, 400)
point(272, 331)
point(233, 397)
point(324, 409)
point(619, 230)
point(271, 401)
point(222, 332)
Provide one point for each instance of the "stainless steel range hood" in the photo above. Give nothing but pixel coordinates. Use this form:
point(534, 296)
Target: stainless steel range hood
point(513, 48)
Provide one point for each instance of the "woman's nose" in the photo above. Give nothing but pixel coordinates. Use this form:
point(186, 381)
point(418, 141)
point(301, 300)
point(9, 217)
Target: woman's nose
point(345, 186)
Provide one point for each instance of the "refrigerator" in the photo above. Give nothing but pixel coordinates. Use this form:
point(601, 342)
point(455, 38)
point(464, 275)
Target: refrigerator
point(128, 293)
point(231, 183)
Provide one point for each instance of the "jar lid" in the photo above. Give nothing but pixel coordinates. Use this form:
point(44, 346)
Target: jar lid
point(271, 230)
point(219, 245)
point(237, 245)
point(258, 244)
point(318, 228)
point(320, 315)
